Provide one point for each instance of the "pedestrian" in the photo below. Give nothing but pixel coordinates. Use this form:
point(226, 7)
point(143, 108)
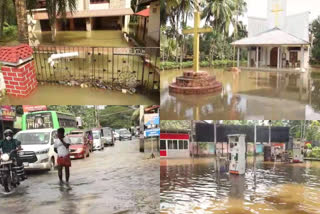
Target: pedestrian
point(61, 145)
point(9, 145)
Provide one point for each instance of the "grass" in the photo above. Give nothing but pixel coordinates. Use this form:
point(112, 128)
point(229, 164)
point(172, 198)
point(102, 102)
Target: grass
point(189, 64)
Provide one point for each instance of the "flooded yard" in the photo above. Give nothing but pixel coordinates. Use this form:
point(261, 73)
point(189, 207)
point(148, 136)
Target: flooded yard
point(246, 95)
point(188, 186)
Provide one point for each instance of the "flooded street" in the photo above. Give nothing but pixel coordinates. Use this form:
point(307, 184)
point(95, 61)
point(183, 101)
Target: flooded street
point(193, 187)
point(103, 38)
point(65, 95)
point(246, 95)
point(116, 180)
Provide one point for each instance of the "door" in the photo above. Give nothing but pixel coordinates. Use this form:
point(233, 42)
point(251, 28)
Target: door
point(274, 57)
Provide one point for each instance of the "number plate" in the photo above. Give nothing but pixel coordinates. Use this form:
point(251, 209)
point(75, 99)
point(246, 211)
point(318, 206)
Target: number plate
point(25, 164)
point(71, 156)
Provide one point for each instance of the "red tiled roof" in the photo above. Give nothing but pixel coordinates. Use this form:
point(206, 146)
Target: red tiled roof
point(15, 53)
point(43, 15)
point(144, 13)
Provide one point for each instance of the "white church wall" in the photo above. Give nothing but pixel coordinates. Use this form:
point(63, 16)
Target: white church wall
point(298, 25)
point(256, 26)
point(277, 12)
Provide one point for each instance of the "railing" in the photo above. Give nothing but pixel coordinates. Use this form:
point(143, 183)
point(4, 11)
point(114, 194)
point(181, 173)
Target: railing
point(102, 67)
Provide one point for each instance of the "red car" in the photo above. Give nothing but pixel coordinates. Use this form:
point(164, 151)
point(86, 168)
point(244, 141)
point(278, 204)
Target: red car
point(79, 147)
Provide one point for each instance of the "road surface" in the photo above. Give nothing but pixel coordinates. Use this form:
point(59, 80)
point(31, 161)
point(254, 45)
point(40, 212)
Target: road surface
point(116, 180)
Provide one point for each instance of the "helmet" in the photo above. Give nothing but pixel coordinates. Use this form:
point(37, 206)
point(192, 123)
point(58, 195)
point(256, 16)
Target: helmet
point(7, 132)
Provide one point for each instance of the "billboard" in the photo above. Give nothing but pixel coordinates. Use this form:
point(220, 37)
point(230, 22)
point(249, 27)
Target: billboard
point(8, 113)
point(29, 108)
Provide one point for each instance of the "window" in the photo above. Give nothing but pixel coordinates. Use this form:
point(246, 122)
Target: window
point(99, 1)
point(39, 121)
point(180, 144)
point(163, 145)
point(185, 142)
point(175, 144)
point(170, 144)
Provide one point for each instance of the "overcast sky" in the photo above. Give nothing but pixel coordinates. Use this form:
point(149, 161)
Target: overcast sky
point(258, 8)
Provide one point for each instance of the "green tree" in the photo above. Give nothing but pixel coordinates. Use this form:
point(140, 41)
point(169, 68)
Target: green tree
point(315, 30)
point(55, 8)
point(21, 14)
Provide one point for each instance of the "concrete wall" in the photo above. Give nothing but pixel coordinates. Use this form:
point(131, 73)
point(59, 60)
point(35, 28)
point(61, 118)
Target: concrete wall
point(104, 6)
point(119, 4)
point(154, 21)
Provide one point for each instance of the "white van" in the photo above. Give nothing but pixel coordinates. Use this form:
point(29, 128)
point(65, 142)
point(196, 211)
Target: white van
point(38, 148)
point(98, 139)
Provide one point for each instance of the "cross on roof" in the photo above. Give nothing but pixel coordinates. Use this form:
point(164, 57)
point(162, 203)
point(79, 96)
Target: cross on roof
point(277, 9)
point(196, 31)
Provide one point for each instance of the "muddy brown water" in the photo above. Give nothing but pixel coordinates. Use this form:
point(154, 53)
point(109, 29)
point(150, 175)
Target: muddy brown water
point(246, 95)
point(119, 179)
point(188, 186)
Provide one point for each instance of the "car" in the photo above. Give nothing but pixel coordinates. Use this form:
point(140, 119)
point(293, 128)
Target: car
point(108, 135)
point(98, 139)
point(125, 135)
point(38, 149)
point(116, 134)
point(80, 147)
point(87, 134)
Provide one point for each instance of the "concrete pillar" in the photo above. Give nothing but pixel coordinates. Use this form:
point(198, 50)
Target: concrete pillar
point(249, 55)
point(89, 24)
point(238, 58)
point(302, 58)
point(257, 57)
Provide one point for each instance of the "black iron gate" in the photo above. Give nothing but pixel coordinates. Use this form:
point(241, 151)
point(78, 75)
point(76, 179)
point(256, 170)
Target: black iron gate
point(102, 67)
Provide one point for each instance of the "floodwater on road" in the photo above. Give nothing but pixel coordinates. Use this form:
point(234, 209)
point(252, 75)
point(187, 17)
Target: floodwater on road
point(116, 180)
point(246, 95)
point(98, 38)
point(188, 186)
point(72, 95)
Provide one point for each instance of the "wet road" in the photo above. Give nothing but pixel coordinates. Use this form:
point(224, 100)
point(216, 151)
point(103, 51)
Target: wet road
point(116, 180)
point(194, 187)
point(246, 95)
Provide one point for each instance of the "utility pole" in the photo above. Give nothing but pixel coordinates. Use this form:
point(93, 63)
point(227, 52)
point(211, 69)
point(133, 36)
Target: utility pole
point(192, 138)
point(141, 128)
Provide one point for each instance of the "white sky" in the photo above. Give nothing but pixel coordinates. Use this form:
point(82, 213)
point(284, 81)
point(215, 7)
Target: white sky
point(258, 8)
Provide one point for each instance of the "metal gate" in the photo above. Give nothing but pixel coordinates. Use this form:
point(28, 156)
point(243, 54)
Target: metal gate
point(102, 67)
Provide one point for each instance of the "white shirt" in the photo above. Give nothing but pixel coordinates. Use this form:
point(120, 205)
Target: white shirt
point(62, 150)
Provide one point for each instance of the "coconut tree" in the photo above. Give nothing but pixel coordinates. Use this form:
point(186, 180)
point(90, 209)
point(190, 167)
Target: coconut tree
point(21, 14)
point(55, 8)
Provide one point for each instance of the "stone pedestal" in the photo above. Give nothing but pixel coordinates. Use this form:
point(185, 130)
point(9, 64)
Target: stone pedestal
point(18, 70)
point(195, 83)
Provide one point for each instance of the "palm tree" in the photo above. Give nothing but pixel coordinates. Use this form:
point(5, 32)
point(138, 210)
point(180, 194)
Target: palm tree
point(21, 14)
point(55, 8)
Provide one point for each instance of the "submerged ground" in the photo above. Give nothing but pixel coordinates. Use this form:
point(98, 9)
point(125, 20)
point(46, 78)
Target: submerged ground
point(188, 186)
point(246, 95)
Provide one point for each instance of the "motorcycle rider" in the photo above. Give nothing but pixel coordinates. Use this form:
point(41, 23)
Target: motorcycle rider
point(8, 145)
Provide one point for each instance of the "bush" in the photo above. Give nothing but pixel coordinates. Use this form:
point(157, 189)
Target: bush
point(189, 64)
point(315, 152)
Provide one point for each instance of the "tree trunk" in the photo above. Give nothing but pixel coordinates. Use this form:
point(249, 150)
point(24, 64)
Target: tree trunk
point(2, 11)
point(21, 13)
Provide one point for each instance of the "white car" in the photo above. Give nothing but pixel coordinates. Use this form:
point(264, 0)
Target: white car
point(116, 135)
point(38, 148)
point(98, 140)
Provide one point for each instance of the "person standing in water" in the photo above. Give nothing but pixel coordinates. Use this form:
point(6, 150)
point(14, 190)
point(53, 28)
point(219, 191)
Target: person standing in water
point(61, 145)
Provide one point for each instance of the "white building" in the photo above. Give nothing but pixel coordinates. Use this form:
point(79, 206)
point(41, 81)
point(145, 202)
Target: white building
point(279, 41)
point(89, 15)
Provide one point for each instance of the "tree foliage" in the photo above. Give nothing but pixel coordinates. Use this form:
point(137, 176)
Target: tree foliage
point(315, 30)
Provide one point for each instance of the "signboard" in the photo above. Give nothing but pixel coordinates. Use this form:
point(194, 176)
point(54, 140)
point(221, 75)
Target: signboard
point(151, 119)
point(8, 113)
point(29, 108)
point(152, 132)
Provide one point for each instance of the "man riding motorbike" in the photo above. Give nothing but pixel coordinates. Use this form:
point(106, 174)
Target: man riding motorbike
point(9, 145)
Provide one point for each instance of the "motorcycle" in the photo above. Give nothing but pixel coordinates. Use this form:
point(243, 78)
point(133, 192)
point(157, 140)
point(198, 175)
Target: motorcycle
point(9, 171)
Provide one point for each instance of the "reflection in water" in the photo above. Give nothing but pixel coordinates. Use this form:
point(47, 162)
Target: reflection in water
point(247, 95)
point(194, 187)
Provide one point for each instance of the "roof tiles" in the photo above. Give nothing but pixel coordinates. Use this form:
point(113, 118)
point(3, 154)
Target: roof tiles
point(15, 53)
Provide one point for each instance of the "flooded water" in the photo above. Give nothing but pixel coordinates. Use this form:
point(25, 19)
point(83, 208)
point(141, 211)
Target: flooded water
point(74, 95)
point(188, 186)
point(247, 95)
point(116, 180)
point(99, 38)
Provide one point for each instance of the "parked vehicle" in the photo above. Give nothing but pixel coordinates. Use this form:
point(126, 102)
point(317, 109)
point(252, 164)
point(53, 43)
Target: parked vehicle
point(79, 147)
point(38, 148)
point(125, 135)
point(8, 174)
point(87, 135)
point(116, 134)
point(108, 135)
point(98, 139)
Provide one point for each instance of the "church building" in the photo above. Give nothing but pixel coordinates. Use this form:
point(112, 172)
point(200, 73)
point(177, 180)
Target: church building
point(278, 41)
